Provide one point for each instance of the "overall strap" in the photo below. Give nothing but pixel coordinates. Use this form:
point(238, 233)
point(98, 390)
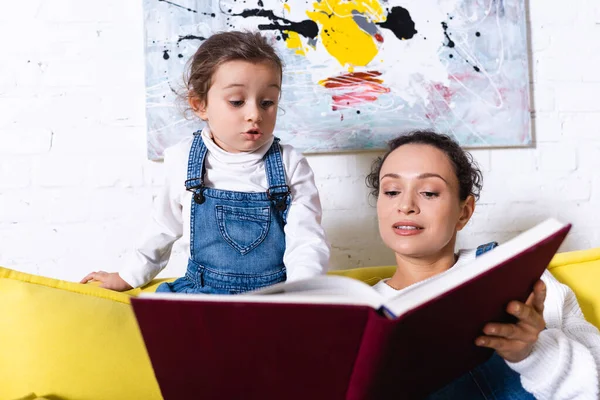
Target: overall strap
point(279, 191)
point(484, 248)
point(195, 171)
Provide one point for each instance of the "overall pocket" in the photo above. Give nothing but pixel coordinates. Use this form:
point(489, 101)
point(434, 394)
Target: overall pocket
point(243, 228)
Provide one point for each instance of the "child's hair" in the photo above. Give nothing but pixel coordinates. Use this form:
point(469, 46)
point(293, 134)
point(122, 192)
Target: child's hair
point(469, 175)
point(223, 47)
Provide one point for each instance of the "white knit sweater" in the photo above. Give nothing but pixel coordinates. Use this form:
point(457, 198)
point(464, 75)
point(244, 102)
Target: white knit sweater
point(565, 361)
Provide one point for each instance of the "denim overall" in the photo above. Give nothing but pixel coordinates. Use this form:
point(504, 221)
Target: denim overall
point(237, 240)
point(492, 380)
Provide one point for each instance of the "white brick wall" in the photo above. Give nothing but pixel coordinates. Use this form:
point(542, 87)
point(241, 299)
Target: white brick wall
point(75, 185)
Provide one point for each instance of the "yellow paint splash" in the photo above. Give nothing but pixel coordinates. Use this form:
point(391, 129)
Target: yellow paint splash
point(286, 7)
point(293, 41)
point(340, 34)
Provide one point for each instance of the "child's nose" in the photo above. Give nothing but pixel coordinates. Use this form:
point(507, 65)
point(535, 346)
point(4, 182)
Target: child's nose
point(253, 113)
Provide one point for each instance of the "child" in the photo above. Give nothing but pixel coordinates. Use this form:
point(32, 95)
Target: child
point(247, 205)
point(426, 187)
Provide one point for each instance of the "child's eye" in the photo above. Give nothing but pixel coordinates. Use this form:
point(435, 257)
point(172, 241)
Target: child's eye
point(430, 195)
point(266, 103)
point(236, 103)
point(391, 193)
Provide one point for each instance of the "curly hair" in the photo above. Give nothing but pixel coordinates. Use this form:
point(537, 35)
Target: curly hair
point(470, 178)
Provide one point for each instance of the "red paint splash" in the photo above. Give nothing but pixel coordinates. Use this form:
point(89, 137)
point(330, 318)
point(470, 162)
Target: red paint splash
point(443, 91)
point(379, 38)
point(355, 88)
point(441, 97)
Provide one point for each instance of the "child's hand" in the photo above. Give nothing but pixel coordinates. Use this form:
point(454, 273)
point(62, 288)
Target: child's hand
point(514, 342)
point(108, 280)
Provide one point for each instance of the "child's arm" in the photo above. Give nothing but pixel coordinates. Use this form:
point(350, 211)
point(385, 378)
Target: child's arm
point(108, 280)
point(564, 362)
point(306, 250)
point(153, 248)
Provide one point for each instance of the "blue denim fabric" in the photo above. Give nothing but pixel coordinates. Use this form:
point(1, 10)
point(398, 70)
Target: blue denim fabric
point(237, 239)
point(484, 248)
point(492, 380)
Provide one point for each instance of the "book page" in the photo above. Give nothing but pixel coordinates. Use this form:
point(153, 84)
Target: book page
point(353, 290)
point(422, 292)
point(324, 289)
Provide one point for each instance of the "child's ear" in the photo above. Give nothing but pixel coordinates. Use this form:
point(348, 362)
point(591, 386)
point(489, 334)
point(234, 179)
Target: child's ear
point(466, 212)
point(198, 106)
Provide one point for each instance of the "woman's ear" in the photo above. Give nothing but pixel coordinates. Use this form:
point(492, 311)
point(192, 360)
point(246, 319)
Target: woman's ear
point(466, 212)
point(198, 107)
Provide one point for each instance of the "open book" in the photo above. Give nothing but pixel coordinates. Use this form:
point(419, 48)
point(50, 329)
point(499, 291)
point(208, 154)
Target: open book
point(334, 337)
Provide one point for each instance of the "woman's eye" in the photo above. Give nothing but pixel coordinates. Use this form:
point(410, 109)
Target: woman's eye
point(267, 103)
point(430, 195)
point(236, 103)
point(391, 193)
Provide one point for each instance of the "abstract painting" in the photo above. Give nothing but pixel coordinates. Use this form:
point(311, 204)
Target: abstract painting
point(358, 72)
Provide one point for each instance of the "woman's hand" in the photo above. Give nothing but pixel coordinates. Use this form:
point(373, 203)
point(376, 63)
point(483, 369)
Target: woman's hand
point(514, 342)
point(107, 280)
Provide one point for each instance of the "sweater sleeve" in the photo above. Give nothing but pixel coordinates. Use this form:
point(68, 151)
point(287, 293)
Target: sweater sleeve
point(565, 360)
point(165, 226)
point(306, 248)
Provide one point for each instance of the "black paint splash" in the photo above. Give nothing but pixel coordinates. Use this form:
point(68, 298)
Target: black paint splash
point(399, 22)
point(450, 41)
point(452, 45)
point(166, 55)
point(306, 28)
point(177, 5)
point(189, 37)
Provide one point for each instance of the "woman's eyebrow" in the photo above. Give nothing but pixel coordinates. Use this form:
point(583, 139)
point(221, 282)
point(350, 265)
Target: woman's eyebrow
point(420, 176)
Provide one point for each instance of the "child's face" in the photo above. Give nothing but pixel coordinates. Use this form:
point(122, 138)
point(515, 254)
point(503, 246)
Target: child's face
point(241, 106)
point(418, 207)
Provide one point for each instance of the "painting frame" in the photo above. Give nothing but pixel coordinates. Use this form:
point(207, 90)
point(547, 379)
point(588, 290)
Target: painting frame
point(459, 67)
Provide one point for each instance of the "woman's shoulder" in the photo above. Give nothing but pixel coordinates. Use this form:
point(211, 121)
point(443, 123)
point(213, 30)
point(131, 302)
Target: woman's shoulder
point(384, 289)
point(465, 256)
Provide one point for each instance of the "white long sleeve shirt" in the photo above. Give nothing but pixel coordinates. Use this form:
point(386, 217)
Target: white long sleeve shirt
point(565, 361)
point(306, 249)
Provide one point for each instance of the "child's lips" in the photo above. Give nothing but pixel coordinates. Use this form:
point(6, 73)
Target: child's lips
point(252, 134)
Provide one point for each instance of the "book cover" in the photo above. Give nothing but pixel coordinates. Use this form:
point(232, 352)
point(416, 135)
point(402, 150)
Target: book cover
point(317, 340)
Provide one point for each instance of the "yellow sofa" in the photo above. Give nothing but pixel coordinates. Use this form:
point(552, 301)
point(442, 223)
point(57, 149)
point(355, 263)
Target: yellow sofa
point(63, 340)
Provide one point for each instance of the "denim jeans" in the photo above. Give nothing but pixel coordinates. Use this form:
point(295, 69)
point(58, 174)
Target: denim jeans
point(493, 380)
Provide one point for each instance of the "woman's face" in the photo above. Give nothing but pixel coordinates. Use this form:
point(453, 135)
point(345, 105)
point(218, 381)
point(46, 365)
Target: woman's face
point(418, 208)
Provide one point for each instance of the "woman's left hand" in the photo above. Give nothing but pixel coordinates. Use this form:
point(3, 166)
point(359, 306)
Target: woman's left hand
point(514, 342)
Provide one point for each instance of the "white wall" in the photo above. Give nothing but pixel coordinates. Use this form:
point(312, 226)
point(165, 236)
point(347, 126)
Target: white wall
point(75, 185)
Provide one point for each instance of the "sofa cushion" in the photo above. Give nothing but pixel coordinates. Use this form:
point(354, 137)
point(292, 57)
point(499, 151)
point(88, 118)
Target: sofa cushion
point(78, 341)
point(69, 340)
point(580, 270)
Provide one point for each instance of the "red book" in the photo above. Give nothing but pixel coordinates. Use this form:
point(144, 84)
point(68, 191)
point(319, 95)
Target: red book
point(333, 337)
